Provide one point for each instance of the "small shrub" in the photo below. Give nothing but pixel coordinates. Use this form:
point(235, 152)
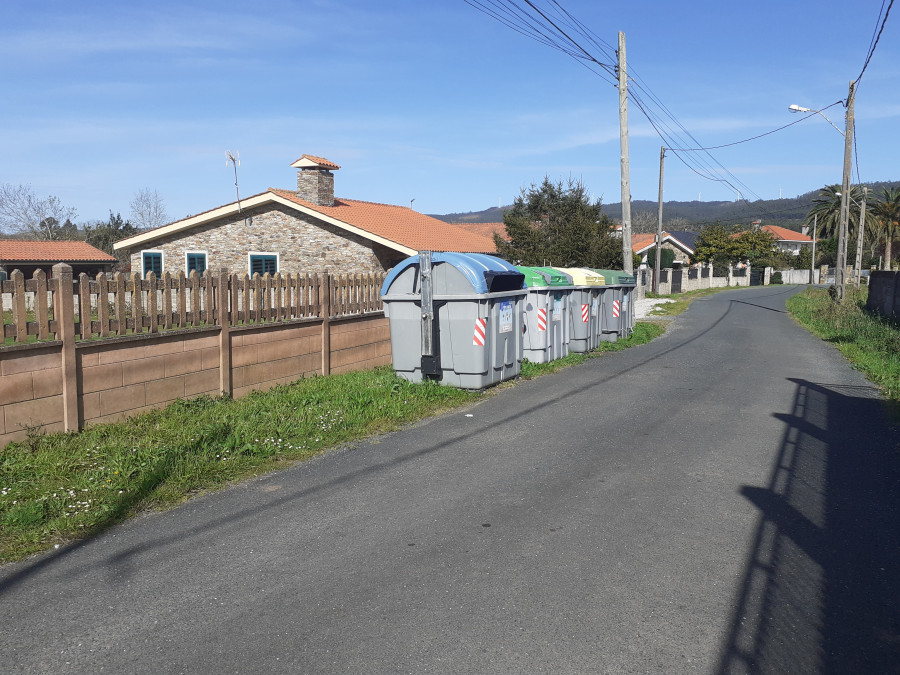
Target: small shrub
point(776, 278)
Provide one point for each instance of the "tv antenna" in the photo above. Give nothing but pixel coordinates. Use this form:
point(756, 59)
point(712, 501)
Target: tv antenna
point(235, 160)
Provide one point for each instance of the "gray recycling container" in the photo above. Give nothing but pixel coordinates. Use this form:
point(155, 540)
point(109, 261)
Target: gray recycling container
point(474, 321)
point(618, 312)
point(584, 313)
point(546, 327)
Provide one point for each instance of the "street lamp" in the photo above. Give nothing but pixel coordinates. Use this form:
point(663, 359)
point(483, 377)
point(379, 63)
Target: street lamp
point(841, 271)
point(799, 108)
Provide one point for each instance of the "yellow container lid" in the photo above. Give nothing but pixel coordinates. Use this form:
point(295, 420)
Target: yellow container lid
point(583, 277)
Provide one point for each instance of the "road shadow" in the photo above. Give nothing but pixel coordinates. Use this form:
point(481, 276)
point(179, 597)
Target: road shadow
point(821, 589)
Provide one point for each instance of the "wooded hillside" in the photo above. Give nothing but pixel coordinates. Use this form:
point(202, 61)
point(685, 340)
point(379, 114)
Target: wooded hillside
point(693, 215)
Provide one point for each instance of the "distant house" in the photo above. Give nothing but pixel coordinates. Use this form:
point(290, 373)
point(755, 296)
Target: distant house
point(681, 243)
point(30, 256)
point(790, 241)
point(306, 229)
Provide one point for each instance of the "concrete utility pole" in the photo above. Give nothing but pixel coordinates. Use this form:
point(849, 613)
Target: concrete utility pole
point(859, 237)
point(812, 264)
point(658, 255)
point(840, 280)
point(627, 263)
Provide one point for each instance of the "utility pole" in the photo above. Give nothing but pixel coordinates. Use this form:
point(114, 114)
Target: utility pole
point(840, 280)
point(859, 237)
point(658, 255)
point(627, 262)
point(812, 264)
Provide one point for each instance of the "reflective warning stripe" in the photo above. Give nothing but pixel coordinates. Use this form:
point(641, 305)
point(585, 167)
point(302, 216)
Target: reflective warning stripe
point(616, 308)
point(585, 312)
point(542, 319)
point(478, 337)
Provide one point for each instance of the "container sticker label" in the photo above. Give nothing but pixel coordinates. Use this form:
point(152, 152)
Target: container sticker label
point(542, 319)
point(595, 306)
point(616, 308)
point(557, 308)
point(480, 329)
point(584, 313)
point(506, 316)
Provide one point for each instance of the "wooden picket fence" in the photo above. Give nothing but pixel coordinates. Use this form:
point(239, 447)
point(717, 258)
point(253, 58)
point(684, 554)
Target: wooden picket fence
point(127, 305)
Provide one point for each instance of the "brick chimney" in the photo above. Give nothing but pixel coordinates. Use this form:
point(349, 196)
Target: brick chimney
point(315, 180)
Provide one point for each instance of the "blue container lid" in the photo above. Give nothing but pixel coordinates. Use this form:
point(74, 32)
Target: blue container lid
point(486, 273)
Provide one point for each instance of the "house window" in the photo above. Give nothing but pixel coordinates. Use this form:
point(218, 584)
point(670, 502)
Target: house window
point(261, 263)
point(195, 260)
point(152, 262)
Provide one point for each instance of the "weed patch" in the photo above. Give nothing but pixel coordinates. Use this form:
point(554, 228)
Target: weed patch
point(870, 342)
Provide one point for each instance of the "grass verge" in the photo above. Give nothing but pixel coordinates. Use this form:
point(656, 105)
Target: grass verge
point(643, 333)
point(59, 487)
point(870, 342)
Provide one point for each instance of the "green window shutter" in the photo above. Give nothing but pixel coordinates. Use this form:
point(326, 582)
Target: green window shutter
point(196, 261)
point(260, 264)
point(153, 263)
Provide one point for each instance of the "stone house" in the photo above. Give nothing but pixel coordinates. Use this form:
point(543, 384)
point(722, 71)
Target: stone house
point(306, 229)
point(681, 243)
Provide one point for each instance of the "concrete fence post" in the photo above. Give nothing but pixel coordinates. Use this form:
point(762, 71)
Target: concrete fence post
point(223, 319)
point(64, 313)
point(325, 309)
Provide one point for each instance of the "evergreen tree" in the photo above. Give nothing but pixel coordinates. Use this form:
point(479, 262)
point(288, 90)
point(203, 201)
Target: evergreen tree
point(558, 224)
point(104, 235)
point(717, 244)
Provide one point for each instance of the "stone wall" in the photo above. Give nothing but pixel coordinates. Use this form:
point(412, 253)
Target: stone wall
point(680, 255)
point(695, 279)
point(884, 297)
point(302, 243)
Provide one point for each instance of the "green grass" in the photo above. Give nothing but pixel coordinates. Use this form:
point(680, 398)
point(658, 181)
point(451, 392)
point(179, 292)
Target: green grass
point(870, 342)
point(57, 487)
point(643, 333)
point(60, 487)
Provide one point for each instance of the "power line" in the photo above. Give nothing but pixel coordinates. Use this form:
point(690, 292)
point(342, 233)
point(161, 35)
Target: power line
point(753, 138)
point(877, 38)
point(556, 27)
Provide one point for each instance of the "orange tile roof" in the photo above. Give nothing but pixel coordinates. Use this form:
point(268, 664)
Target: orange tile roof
point(484, 229)
point(399, 224)
point(784, 234)
point(642, 240)
point(319, 160)
point(16, 250)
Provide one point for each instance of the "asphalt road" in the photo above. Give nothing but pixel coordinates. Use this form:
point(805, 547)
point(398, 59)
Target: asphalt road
point(723, 499)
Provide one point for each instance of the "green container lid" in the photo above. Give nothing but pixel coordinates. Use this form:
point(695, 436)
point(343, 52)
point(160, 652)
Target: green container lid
point(616, 277)
point(540, 277)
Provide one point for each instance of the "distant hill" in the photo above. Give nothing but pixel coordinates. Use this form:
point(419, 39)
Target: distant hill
point(693, 215)
point(491, 215)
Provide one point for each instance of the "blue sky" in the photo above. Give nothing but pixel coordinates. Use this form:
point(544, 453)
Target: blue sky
point(431, 101)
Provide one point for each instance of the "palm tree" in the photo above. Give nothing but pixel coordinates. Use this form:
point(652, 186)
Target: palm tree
point(827, 208)
point(887, 210)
